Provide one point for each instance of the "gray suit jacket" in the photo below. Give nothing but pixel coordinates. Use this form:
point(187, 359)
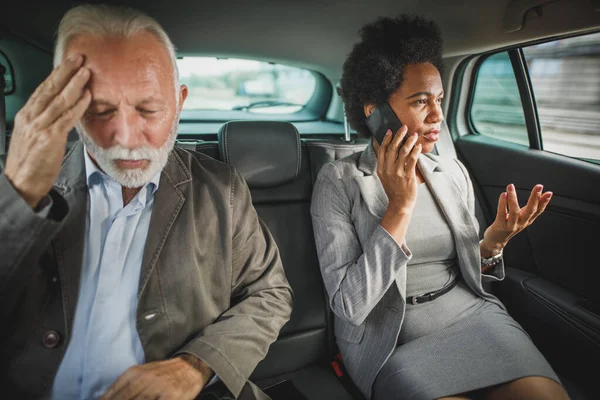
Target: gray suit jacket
point(364, 268)
point(211, 282)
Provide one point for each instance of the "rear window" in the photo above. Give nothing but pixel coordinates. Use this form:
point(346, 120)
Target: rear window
point(228, 84)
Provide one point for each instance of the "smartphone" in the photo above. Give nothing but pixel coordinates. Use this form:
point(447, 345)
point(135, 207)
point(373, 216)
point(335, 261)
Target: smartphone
point(382, 119)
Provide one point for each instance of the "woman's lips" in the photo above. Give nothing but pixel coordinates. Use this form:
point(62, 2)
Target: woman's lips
point(431, 136)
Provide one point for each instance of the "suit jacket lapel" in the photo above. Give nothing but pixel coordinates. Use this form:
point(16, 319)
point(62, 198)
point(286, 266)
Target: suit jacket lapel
point(69, 242)
point(168, 202)
point(451, 202)
point(370, 186)
point(447, 194)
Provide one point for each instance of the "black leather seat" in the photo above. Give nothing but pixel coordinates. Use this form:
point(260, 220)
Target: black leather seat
point(277, 168)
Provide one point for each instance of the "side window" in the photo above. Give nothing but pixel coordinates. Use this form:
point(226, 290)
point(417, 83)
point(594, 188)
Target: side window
point(496, 108)
point(565, 76)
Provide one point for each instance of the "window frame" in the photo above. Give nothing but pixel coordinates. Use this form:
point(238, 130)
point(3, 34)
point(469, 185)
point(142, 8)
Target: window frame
point(521, 75)
point(468, 69)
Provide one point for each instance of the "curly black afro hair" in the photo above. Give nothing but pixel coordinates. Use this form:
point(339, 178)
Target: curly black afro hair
point(374, 69)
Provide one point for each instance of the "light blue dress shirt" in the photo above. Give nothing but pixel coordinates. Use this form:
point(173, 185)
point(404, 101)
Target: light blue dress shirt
point(104, 341)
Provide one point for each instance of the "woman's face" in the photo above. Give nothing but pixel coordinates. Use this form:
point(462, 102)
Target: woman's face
point(418, 103)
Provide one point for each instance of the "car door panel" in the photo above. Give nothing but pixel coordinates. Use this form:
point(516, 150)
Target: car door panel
point(553, 268)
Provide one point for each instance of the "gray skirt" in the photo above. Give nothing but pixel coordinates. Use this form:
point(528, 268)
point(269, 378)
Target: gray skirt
point(455, 344)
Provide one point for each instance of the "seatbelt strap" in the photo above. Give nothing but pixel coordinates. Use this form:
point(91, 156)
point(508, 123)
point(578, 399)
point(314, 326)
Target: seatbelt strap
point(344, 378)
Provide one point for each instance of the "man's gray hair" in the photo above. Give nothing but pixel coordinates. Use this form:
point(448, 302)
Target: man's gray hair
point(109, 21)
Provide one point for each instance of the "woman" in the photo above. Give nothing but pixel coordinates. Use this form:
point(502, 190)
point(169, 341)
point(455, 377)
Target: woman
point(398, 242)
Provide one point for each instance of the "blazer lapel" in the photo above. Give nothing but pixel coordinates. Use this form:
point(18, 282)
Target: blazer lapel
point(451, 202)
point(168, 202)
point(445, 191)
point(370, 186)
point(69, 242)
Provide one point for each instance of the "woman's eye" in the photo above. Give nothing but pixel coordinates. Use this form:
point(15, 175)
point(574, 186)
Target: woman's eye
point(422, 101)
point(440, 99)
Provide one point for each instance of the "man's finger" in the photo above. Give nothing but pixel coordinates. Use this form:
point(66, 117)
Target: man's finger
point(54, 84)
point(68, 119)
point(122, 383)
point(154, 390)
point(66, 99)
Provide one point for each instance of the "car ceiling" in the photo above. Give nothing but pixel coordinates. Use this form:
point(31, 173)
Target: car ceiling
point(317, 34)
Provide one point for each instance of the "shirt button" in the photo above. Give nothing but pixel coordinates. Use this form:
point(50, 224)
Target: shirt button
point(51, 339)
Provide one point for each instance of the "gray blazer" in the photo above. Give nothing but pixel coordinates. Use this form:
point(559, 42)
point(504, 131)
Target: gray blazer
point(211, 282)
point(364, 268)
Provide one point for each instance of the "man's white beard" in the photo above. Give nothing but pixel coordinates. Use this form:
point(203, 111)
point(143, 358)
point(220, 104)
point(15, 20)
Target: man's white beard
point(134, 177)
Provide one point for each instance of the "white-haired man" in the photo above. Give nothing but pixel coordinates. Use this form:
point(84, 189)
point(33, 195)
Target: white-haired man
point(129, 268)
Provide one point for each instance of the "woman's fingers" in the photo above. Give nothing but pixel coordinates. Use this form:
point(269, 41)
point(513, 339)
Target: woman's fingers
point(544, 200)
point(502, 210)
point(532, 205)
point(411, 162)
point(513, 207)
point(382, 152)
point(397, 140)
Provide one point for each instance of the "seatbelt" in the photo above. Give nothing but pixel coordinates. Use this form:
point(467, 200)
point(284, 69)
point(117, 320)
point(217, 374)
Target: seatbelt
point(344, 378)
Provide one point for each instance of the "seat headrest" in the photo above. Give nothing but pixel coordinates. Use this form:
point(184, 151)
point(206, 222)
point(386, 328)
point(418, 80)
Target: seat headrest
point(266, 153)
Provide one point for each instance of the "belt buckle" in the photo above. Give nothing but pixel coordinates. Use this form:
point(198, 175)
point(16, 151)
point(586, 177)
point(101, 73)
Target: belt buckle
point(415, 300)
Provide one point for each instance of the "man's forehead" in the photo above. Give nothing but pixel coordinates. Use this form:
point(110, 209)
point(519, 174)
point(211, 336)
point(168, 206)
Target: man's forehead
point(138, 66)
point(142, 52)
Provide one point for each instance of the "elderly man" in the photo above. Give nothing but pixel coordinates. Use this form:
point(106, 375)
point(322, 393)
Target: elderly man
point(134, 269)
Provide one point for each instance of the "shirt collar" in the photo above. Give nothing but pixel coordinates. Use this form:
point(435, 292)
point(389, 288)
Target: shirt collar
point(94, 175)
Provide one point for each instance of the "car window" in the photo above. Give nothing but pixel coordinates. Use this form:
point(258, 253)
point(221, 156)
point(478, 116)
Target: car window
point(565, 79)
point(496, 108)
point(245, 85)
point(565, 76)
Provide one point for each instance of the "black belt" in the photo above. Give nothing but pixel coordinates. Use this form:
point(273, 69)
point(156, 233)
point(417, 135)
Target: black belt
point(424, 298)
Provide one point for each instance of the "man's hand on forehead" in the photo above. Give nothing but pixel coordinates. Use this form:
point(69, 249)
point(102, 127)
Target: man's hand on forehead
point(41, 128)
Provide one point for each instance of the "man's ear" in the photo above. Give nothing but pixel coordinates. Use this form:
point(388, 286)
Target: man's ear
point(183, 94)
point(369, 108)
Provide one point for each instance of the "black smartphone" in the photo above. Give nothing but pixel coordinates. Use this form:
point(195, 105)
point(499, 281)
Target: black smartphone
point(382, 119)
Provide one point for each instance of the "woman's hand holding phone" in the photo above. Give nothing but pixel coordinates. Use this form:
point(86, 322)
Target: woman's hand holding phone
point(396, 168)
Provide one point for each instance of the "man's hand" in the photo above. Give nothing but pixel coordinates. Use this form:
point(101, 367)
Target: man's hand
point(511, 219)
point(39, 137)
point(181, 377)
